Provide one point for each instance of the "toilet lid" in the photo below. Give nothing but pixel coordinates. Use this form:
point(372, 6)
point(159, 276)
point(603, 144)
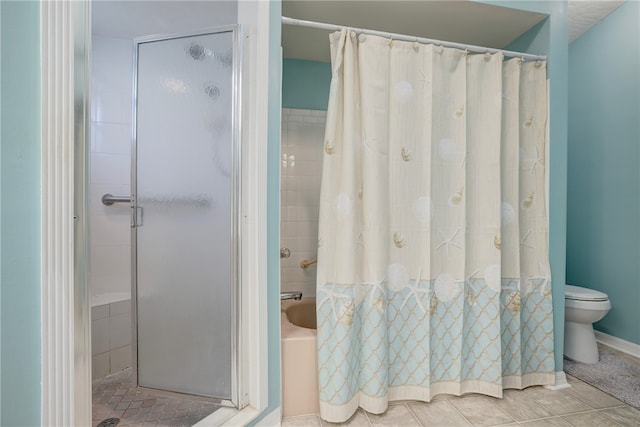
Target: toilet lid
point(583, 294)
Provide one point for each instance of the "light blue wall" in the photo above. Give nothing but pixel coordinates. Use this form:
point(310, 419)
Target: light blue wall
point(0, 212)
point(305, 84)
point(20, 213)
point(273, 209)
point(603, 219)
point(273, 204)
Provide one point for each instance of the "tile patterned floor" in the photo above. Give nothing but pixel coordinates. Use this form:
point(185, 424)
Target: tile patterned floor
point(581, 405)
point(116, 397)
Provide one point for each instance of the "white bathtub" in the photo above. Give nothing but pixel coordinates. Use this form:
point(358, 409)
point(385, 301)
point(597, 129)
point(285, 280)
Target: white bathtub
point(299, 358)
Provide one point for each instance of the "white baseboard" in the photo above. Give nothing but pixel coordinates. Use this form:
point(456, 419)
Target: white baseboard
point(561, 382)
point(618, 344)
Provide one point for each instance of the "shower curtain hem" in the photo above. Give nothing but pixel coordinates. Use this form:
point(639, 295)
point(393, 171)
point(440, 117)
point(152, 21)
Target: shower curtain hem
point(379, 404)
point(528, 380)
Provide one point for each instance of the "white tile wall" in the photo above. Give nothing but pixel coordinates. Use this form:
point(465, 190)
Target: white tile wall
point(119, 330)
point(110, 165)
point(120, 358)
point(100, 366)
point(301, 168)
point(110, 338)
point(99, 336)
point(110, 172)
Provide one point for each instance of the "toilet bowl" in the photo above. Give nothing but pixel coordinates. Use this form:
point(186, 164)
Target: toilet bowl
point(582, 307)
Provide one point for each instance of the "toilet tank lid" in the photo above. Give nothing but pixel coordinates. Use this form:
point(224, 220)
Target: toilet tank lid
point(583, 294)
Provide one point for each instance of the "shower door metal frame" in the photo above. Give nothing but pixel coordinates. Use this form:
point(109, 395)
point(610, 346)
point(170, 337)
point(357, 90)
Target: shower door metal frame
point(236, 186)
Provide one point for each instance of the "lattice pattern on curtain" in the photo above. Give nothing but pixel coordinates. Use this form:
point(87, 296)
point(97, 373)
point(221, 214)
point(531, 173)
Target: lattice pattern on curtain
point(433, 270)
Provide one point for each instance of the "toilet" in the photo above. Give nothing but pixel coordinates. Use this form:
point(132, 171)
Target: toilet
point(582, 307)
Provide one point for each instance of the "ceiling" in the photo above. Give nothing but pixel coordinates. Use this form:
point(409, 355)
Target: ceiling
point(584, 14)
point(459, 21)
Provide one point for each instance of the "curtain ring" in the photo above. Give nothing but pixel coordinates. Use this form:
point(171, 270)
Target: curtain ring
point(538, 63)
point(487, 56)
point(390, 42)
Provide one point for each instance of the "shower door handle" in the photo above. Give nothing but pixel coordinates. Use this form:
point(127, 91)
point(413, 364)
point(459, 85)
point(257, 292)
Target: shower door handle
point(136, 216)
point(110, 199)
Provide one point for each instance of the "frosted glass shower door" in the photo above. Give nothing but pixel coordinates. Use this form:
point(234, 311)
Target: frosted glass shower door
point(184, 214)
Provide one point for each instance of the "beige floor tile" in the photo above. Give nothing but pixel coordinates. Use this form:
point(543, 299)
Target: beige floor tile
point(439, 413)
point(532, 407)
point(521, 406)
point(481, 410)
point(624, 415)
point(591, 396)
point(443, 397)
point(547, 422)
point(589, 419)
point(397, 415)
point(303, 421)
point(556, 401)
point(359, 419)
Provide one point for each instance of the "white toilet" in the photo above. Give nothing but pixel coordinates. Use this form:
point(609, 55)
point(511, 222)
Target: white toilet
point(582, 307)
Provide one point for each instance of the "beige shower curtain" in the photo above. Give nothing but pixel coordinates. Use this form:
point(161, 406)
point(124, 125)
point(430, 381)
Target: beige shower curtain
point(433, 270)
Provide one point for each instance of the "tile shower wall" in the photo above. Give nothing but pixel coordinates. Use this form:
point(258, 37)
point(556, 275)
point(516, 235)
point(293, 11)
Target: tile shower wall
point(110, 165)
point(301, 168)
point(110, 234)
point(110, 338)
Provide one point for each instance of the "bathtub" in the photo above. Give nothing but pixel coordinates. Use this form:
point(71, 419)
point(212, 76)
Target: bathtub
point(299, 358)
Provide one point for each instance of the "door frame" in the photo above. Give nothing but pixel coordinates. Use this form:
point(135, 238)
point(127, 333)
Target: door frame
point(66, 312)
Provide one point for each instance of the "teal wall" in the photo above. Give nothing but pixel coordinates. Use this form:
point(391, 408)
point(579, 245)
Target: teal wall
point(603, 220)
point(550, 38)
point(273, 204)
point(273, 210)
point(305, 84)
point(20, 213)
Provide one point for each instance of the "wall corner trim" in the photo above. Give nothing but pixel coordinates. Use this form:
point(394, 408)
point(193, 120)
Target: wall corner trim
point(65, 341)
point(561, 382)
point(57, 260)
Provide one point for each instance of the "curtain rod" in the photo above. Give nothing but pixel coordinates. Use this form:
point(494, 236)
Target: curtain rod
point(404, 37)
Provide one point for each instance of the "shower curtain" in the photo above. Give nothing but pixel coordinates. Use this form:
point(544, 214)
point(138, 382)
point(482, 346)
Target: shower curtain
point(433, 269)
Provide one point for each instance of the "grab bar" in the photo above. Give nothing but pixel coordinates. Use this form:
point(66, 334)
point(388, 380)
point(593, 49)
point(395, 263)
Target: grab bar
point(307, 262)
point(110, 199)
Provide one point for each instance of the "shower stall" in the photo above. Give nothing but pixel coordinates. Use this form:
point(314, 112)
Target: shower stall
point(183, 212)
point(184, 205)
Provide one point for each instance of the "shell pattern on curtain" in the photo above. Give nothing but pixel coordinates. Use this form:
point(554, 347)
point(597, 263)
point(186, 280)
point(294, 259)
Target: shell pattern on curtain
point(433, 269)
